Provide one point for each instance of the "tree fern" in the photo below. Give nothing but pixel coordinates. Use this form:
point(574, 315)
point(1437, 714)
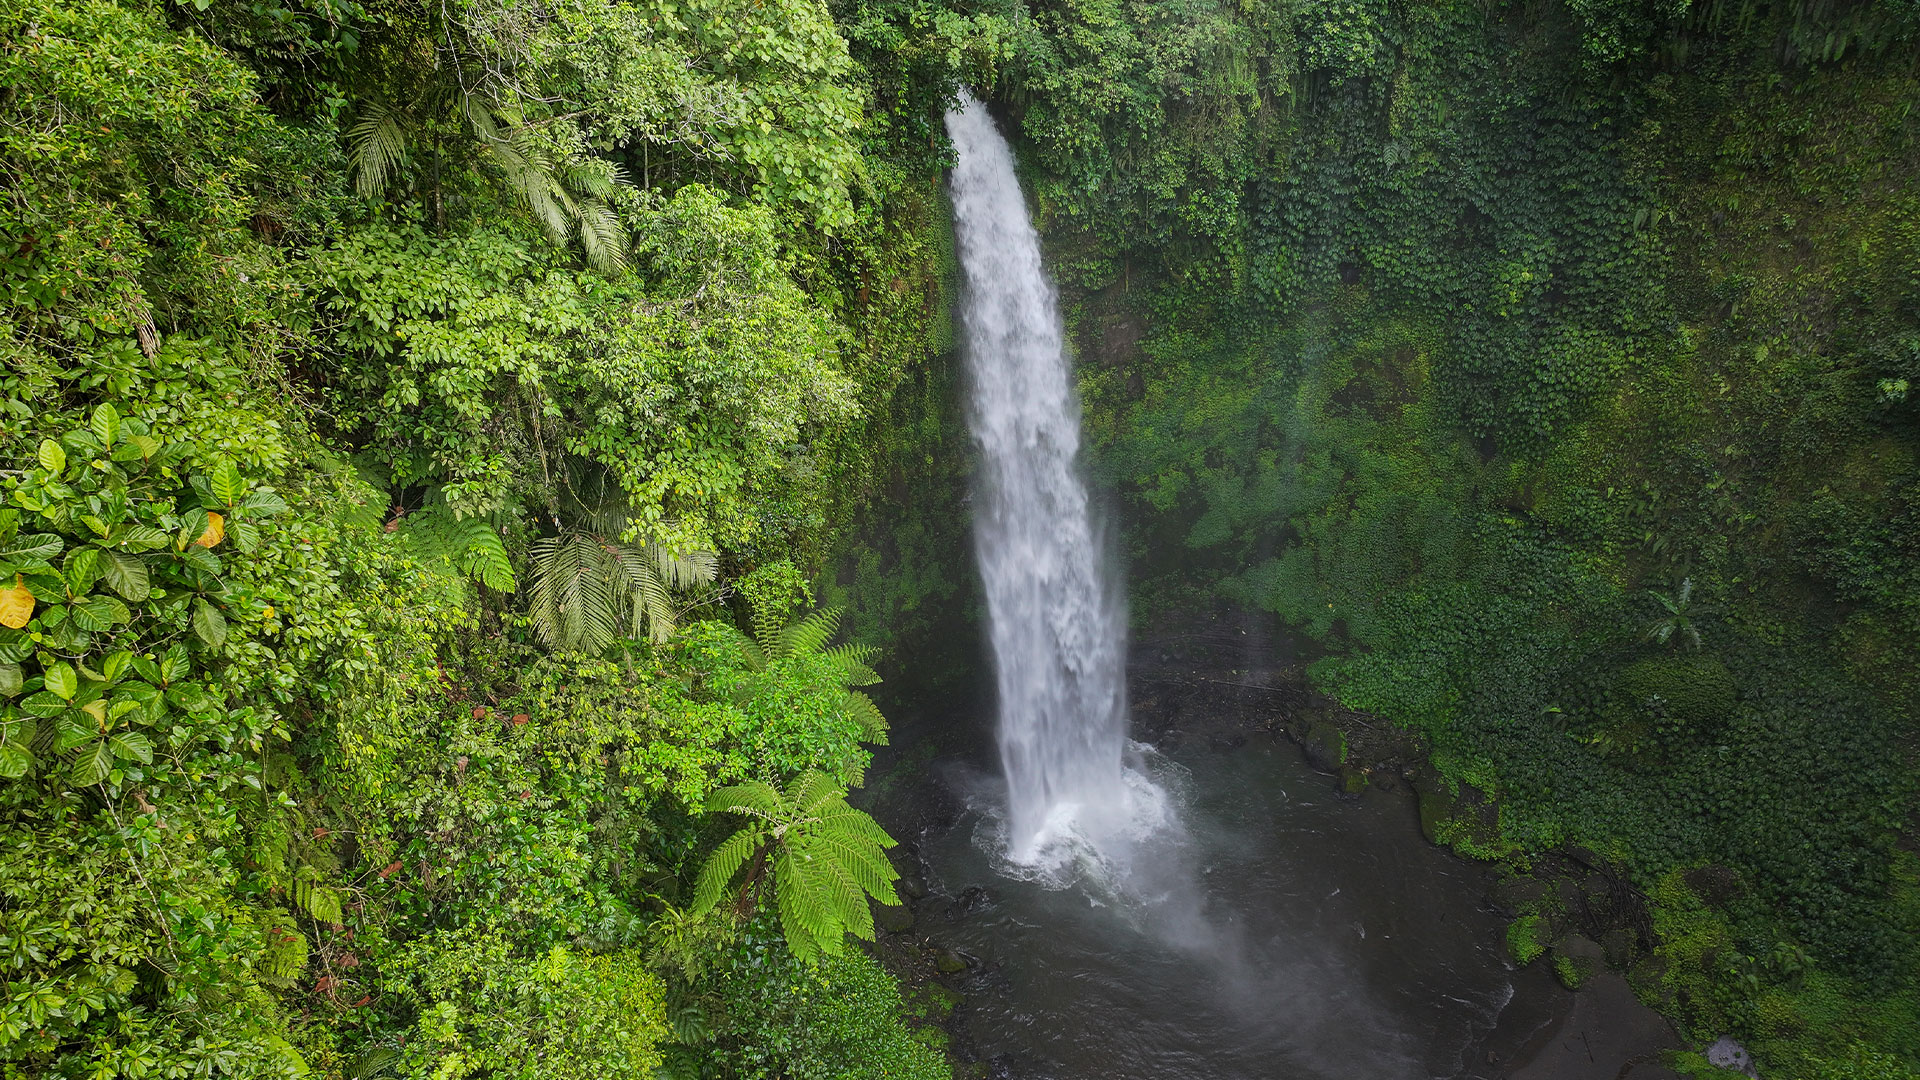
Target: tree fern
point(774, 642)
point(470, 545)
point(484, 557)
point(825, 856)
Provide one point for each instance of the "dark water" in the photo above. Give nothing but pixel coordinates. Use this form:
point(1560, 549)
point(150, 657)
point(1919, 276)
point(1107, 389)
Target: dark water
point(1283, 932)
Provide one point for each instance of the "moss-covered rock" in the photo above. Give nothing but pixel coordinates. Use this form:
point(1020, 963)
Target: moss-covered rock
point(1325, 744)
point(1693, 694)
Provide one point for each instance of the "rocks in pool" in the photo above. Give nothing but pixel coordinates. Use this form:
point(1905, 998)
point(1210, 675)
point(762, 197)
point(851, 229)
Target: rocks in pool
point(1353, 781)
point(949, 962)
point(973, 898)
point(1576, 959)
point(1325, 744)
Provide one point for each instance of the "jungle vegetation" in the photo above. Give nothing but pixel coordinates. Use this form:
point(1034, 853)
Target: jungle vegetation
point(427, 428)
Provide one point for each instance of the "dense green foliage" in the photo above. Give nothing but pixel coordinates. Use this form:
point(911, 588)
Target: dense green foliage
point(421, 422)
point(403, 404)
point(1550, 363)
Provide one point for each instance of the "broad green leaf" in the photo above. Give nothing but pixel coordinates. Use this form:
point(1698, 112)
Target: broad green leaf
point(12, 678)
point(146, 444)
point(192, 698)
point(115, 665)
point(98, 614)
point(208, 624)
point(93, 765)
point(53, 457)
point(126, 574)
point(46, 704)
point(105, 424)
point(14, 760)
point(131, 746)
point(245, 536)
point(226, 483)
point(61, 679)
point(82, 568)
point(175, 665)
point(76, 729)
point(201, 559)
point(147, 670)
point(32, 549)
point(264, 502)
point(108, 609)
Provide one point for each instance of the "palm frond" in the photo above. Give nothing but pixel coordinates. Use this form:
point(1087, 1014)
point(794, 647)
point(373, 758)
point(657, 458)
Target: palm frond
point(574, 601)
point(379, 145)
point(589, 590)
point(602, 236)
point(647, 598)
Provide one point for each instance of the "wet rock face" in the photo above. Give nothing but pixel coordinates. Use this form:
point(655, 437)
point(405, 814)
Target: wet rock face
point(1728, 1054)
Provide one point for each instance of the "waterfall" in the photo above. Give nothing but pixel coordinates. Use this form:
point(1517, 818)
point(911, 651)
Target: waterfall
point(1055, 621)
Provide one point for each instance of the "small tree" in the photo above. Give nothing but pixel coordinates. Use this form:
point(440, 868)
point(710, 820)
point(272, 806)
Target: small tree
point(825, 856)
point(1679, 621)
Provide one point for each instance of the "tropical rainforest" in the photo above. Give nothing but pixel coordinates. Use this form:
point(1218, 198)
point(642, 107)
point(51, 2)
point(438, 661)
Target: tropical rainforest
point(468, 464)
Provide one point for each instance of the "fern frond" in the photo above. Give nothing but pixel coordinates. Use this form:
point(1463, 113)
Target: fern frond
point(852, 662)
point(809, 635)
point(379, 143)
point(861, 709)
point(756, 798)
point(854, 854)
point(768, 622)
point(483, 556)
point(794, 900)
point(721, 866)
point(811, 793)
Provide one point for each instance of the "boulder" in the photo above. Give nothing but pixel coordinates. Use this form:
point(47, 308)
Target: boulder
point(1326, 746)
point(1577, 959)
point(1725, 1053)
point(893, 918)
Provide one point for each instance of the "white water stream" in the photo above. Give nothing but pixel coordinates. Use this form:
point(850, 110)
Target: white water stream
point(1057, 623)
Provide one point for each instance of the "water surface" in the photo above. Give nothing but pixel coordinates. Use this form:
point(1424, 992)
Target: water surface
point(1280, 931)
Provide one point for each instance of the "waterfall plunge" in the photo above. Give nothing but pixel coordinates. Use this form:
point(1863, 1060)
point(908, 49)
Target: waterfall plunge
point(1056, 622)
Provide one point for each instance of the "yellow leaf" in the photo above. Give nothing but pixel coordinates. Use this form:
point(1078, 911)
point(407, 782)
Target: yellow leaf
point(216, 530)
point(16, 604)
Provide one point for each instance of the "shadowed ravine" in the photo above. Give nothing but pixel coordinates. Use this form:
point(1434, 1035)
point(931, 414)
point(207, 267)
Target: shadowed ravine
point(1147, 919)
